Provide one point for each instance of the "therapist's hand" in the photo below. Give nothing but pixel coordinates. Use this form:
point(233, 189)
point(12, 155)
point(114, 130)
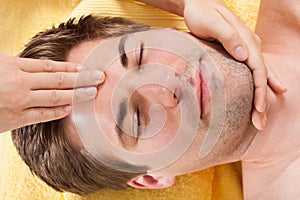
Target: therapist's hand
point(33, 91)
point(212, 20)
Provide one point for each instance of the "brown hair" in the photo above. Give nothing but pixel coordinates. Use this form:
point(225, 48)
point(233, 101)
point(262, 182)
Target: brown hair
point(43, 146)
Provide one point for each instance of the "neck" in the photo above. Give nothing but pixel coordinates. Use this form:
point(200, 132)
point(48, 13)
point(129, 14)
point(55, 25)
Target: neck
point(279, 23)
point(271, 163)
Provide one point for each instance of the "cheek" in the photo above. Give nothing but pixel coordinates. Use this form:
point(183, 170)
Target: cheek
point(103, 108)
point(164, 135)
point(165, 58)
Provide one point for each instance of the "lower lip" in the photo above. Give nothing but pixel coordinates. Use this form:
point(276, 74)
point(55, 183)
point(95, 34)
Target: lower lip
point(204, 95)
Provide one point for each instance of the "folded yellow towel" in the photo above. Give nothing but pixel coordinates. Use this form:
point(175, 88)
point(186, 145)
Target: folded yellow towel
point(22, 19)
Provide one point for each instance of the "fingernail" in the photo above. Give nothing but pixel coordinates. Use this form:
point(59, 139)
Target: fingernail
point(265, 119)
point(260, 105)
point(67, 109)
point(91, 91)
point(263, 122)
point(258, 123)
point(78, 68)
point(281, 85)
point(98, 76)
point(240, 52)
point(262, 108)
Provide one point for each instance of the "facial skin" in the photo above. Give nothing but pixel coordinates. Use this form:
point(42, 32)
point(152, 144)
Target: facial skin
point(237, 132)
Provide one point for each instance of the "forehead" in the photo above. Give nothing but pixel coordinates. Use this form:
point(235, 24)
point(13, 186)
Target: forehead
point(183, 44)
point(80, 52)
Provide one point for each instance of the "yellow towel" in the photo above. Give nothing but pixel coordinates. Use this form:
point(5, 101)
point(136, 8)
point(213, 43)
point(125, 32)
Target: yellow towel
point(22, 19)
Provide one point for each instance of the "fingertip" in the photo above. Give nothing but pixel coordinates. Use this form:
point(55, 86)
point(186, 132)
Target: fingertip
point(72, 67)
point(78, 67)
point(99, 76)
point(85, 94)
point(67, 108)
point(259, 120)
point(283, 90)
point(260, 102)
point(102, 78)
point(276, 85)
point(260, 98)
point(91, 92)
point(280, 90)
point(261, 107)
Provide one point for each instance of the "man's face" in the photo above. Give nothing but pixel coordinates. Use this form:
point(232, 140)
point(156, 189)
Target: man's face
point(180, 86)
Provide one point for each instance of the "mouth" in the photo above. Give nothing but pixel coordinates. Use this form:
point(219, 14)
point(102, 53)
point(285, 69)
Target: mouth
point(202, 91)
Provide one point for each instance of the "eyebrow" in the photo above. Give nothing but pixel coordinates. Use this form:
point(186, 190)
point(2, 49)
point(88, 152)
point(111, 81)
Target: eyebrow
point(120, 118)
point(123, 56)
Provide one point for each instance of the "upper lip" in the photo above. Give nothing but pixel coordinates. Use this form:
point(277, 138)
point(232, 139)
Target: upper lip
point(197, 85)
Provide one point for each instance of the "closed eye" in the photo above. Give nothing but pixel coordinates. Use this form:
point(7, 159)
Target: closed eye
point(141, 56)
point(137, 123)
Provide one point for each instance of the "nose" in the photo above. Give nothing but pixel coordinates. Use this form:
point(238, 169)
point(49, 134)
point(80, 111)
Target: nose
point(158, 94)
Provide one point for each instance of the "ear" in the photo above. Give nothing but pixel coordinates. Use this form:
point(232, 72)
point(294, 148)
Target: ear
point(148, 181)
point(173, 28)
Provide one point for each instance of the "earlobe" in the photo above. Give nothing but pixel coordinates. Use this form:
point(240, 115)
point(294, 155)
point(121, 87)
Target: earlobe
point(173, 28)
point(148, 181)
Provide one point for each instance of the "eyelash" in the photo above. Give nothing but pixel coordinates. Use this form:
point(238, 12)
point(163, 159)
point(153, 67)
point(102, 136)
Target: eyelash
point(138, 132)
point(140, 56)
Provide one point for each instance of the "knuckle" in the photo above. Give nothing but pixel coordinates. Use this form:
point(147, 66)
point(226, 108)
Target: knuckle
point(55, 96)
point(18, 79)
point(231, 38)
point(15, 62)
point(18, 100)
point(42, 113)
point(248, 34)
point(14, 77)
point(56, 113)
point(234, 36)
point(47, 65)
point(67, 67)
point(59, 78)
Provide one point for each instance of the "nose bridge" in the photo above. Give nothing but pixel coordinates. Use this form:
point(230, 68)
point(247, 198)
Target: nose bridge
point(158, 94)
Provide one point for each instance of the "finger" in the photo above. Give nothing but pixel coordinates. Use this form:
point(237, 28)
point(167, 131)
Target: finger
point(63, 80)
point(84, 94)
point(276, 85)
point(38, 115)
point(54, 98)
point(275, 82)
point(230, 38)
point(256, 63)
point(39, 65)
point(259, 70)
point(259, 119)
point(260, 92)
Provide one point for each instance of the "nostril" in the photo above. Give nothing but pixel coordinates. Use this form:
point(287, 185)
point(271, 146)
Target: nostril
point(173, 100)
point(167, 97)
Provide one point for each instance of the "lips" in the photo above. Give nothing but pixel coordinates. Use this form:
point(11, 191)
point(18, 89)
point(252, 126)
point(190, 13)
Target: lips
point(202, 92)
point(205, 97)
